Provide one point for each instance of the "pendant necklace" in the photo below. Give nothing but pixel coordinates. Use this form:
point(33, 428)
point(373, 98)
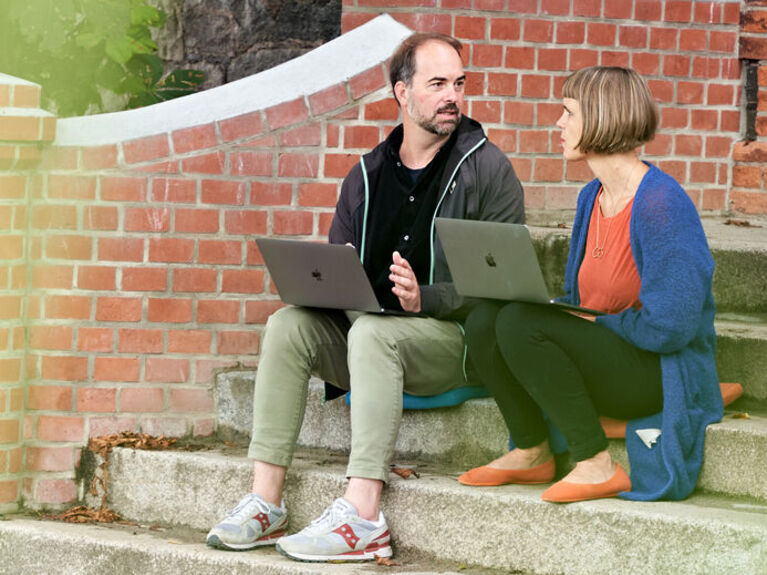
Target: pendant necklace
point(598, 252)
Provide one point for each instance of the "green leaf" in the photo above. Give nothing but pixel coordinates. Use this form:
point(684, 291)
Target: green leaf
point(183, 79)
point(146, 66)
point(144, 15)
point(119, 49)
point(88, 40)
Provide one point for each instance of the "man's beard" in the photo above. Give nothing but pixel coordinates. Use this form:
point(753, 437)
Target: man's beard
point(444, 128)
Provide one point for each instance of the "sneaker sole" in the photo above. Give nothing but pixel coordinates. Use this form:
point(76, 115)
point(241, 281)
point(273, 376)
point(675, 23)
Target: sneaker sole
point(271, 539)
point(367, 554)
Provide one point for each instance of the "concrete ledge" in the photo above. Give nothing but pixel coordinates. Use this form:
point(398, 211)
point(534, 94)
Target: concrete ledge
point(507, 528)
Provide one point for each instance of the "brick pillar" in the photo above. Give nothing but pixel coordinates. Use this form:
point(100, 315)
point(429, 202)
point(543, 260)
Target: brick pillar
point(23, 127)
point(749, 173)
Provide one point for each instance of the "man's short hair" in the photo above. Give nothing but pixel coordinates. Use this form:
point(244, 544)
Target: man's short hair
point(402, 63)
point(619, 112)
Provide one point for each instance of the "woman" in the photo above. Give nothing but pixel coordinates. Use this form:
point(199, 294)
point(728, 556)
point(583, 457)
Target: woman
point(637, 253)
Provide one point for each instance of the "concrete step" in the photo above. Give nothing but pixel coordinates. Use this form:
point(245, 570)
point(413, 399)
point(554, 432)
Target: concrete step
point(741, 355)
point(439, 435)
point(507, 528)
point(29, 546)
point(740, 254)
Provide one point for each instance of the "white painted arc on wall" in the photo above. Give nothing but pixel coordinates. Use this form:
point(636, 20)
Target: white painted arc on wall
point(330, 64)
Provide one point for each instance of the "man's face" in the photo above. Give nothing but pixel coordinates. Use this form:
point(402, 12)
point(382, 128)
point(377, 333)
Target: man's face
point(435, 98)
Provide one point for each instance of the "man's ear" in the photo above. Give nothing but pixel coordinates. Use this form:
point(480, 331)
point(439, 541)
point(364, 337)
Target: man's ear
point(400, 93)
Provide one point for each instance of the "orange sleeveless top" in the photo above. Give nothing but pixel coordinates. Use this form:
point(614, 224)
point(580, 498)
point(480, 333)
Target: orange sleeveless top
point(609, 282)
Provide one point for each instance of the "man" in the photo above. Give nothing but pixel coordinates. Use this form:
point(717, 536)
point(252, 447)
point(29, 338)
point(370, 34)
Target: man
point(436, 163)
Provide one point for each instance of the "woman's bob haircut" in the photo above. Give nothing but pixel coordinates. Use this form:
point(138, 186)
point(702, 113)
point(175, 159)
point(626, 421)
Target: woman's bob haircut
point(619, 113)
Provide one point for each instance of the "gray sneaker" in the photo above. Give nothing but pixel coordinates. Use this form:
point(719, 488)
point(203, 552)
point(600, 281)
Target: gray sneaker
point(339, 534)
point(253, 523)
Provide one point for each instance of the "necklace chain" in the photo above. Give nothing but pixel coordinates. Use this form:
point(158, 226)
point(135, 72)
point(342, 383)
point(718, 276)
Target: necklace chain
point(597, 252)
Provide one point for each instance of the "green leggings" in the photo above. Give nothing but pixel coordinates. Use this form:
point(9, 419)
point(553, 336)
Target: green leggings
point(378, 357)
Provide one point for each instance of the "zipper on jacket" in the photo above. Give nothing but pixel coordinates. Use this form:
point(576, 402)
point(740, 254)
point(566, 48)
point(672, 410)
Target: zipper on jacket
point(365, 211)
point(439, 203)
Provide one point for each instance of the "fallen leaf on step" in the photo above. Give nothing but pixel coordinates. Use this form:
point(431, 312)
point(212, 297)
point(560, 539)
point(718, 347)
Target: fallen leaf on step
point(740, 223)
point(175, 542)
point(82, 514)
point(230, 444)
point(741, 415)
point(461, 567)
point(405, 472)
point(385, 561)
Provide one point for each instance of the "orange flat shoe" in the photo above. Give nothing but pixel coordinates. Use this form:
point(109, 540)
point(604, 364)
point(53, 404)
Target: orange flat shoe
point(489, 476)
point(566, 492)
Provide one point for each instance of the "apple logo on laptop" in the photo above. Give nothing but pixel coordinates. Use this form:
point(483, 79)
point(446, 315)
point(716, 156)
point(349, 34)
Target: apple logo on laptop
point(317, 275)
point(490, 260)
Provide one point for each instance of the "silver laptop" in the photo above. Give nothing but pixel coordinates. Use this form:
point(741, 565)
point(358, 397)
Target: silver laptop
point(320, 275)
point(495, 260)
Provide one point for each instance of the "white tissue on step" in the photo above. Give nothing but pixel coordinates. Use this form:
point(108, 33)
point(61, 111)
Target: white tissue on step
point(649, 436)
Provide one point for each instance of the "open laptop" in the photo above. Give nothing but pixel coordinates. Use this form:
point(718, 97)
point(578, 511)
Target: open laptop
point(495, 260)
point(320, 275)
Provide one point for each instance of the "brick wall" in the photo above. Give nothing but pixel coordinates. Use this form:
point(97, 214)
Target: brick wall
point(518, 53)
point(749, 174)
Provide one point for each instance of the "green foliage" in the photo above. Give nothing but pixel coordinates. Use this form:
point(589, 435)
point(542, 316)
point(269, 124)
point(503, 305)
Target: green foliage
point(81, 50)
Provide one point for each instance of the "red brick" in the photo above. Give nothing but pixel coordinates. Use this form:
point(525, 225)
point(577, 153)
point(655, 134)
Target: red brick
point(258, 311)
point(145, 149)
point(427, 21)
point(365, 137)
point(705, 67)
point(100, 157)
point(648, 9)
point(214, 163)
point(172, 190)
point(533, 141)
point(613, 58)
point(52, 277)
point(659, 146)
point(690, 92)
point(195, 138)
point(196, 221)
point(96, 278)
point(719, 95)
point(601, 34)
point(486, 111)
point(292, 223)
point(191, 400)
point(519, 113)
point(718, 147)
point(506, 140)
point(118, 309)
point(676, 170)
point(243, 126)
point(467, 27)
point(618, 10)
point(96, 399)
point(707, 12)
point(59, 159)
point(158, 168)
point(287, 114)
point(167, 370)
point(501, 84)
point(12, 248)
point(72, 187)
point(170, 310)
point(94, 339)
point(251, 163)
point(64, 247)
point(9, 491)
point(578, 172)
point(237, 342)
point(123, 369)
point(748, 202)
point(145, 279)
point(50, 337)
point(538, 30)
point(367, 82)
point(730, 120)
point(13, 187)
point(140, 341)
point(317, 194)
point(505, 28)
point(713, 199)
point(271, 194)
point(189, 341)
point(702, 172)
point(487, 55)
point(218, 311)
point(383, 110)
point(204, 427)
point(10, 370)
point(678, 11)
point(704, 120)
point(674, 118)
point(298, 165)
point(194, 280)
point(310, 135)
point(10, 307)
point(57, 428)
point(662, 90)
point(50, 398)
point(122, 189)
point(67, 307)
point(534, 86)
point(747, 176)
point(555, 7)
point(100, 218)
point(49, 458)
point(248, 222)
point(571, 32)
point(121, 249)
point(54, 217)
point(223, 192)
point(147, 219)
point(720, 41)
point(587, 7)
point(328, 99)
point(520, 57)
point(663, 38)
point(219, 252)
point(548, 170)
point(170, 250)
point(110, 425)
point(242, 281)
point(558, 198)
point(9, 431)
point(552, 59)
point(692, 40)
point(333, 133)
point(55, 491)
point(141, 400)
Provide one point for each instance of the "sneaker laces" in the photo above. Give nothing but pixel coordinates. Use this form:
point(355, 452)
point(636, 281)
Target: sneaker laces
point(332, 515)
point(244, 509)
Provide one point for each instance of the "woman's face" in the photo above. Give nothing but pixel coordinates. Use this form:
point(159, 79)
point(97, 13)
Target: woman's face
point(571, 124)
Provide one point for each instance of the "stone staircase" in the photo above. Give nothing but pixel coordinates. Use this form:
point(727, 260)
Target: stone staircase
point(439, 525)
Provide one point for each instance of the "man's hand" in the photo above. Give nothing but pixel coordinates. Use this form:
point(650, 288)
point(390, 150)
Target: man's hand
point(405, 284)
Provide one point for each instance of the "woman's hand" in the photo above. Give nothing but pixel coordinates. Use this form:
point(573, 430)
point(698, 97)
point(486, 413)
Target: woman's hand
point(587, 316)
point(405, 284)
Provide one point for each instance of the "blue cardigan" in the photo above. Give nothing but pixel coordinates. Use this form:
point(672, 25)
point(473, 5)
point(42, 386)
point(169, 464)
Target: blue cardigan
point(676, 320)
